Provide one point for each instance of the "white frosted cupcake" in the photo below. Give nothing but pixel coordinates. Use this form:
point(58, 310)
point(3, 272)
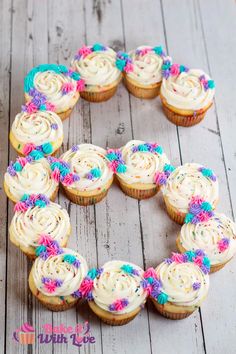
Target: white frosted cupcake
point(115, 292)
point(96, 65)
point(179, 285)
point(36, 218)
point(42, 130)
point(92, 176)
point(186, 94)
point(137, 165)
point(213, 232)
point(144, 78)
point(52, 87)
point(56, 276)
point(31, 174)
point(185, 182)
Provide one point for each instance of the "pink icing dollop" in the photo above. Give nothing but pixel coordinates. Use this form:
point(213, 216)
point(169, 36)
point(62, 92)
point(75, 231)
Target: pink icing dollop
point(129, 68)
point(198, 260)
point(86, 286)
point(150, 273)
point(31, 107)
point(113, 165)
point(50, 107)
point(55, 175)
point(20, 207)
point(26, 327)
point(45, 240)
point(84, 51)
point(174, 70)
point(68, 180)
point(222, 245)
point(203, 216)
point(67, 87)
point(80, 85)
point(50, 286)
point(197, 200)
point(28, 148)
point(177, 257)
point(22, 161)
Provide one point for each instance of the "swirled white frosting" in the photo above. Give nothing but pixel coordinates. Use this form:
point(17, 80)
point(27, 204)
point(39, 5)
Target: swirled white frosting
point(98, 68)
point(114, 284)
point(82, 161)
point(141, 165)
point(185, 91)
point(177, 282)
point(37, 127)
point(27, 227)
point(147, 67)
point(50, 84)
point(206, 235)
point(34, 178)
point(54, 267)
point(185, 182)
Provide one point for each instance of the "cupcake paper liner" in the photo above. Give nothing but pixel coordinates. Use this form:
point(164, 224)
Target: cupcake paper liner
point(138, 193)
point(98, 96)
point(173, 213)
point(141, 92)
point(171, 315)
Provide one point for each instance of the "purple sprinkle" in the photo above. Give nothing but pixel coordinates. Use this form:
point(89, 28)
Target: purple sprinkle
point(44, 198)
point(155, 292)
point(51, 159)
point(90, 176)
point(24, 108)
point(135, 272)
point(62, 178)
point(39, 148)
point(112, 307)
point(44, 255)
point(196, 285)
point(29, 158)
point(205, 269)
point(168, 261)
point(77, 294)
point(135, 149)
point(74, 148)
point(29, 203)
point(195, 220)
point(11, 170)
point(125, 302)
point(99, 271)
point(213, 178)
point(65, 164)
point(144, 283)
point(156, 283)
point(166, 73)
point(185, 258)
point(77, 56)
point(45, 280)
point(89, 296)
point(58, 282)
point(76, 263)
point(199, 253)
point(195, 209)
point(54, 126)
point(162, 180)
point(76, 177)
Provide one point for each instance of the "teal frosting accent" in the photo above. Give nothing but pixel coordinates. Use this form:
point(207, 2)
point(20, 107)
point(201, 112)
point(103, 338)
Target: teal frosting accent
point(166, 66)
point(181, 68)
point(96, 172)
point(24, 197)
point(127, 268)
point(150, 280)
point(207, 172)
point(211, 84)
point(190, 255)
point(206, 206)
point(40, 249)
point(206, 262)
point(40, 203)
point(142, 147)
point(121, 168)
point(17, 166)
point(92, 273)
point(159, 150)
point(111, 156)
point(55, 165)
point(162, 298)
point(75, 76)
point(188, 218)
point(120, 64)
point(69, 258)
point(168, 167)
point(64, 171)
point(36, 155)
point(97, 47)
point(43, 107)
point(47, 148)
point(158, 50)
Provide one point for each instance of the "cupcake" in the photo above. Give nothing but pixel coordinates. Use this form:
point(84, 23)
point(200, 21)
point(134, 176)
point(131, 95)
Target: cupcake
point(52, 87)
point(115, 292)
point(36, 218)
point(213, 232)
point(179, 285)
point(42, 130)
point(186, 94)
point(97, 66)
point(144, 76)
point(56, 276)
point(137, 166)
point(185, 182)
point(31, 174)
point(90, 176)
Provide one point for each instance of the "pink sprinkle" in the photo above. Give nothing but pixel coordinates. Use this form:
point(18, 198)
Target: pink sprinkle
point(203, 216)
point(150, 273)
point(174, 70)
point(84, 51)
point(50, 107)
point(67, 87)
point(31, 107)
point(22, 161)
point(197, 200)
point(68, 180)
point(222, 245)
point(55, 175)
point(86, 286)
point(177, 257)
point(80, 85)
point(28, 148)
point(20, 206)
point(45, 240)
point(113, 165)
point(198, 260)
point(50, 286)
point(129, 68)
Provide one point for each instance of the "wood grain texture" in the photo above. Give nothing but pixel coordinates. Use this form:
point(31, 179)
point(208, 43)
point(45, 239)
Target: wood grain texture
point(198, 34)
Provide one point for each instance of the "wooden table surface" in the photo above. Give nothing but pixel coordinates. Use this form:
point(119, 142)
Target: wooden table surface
point(197, 33)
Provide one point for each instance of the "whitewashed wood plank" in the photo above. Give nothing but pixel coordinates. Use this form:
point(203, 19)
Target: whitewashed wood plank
point(159, 231)
point(185, 38)
point(29, 47)
point(5, 65)
point(66, 33)
point(117, 218)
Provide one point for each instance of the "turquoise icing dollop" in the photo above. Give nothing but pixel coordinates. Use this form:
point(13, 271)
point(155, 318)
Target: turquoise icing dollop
point(158, 50)
point(121, 168)
point(36, 155)
point(188, 218)
point(69, 258)
point(127, 268)
point(142, 147)
point(40, 249)
point(92, 273)
point(47, 148)
point(40, 203)
point(162, 298)
point(159, 150)
point(190, 255)
point(17, 166)
point(206, 206)
point(96, 172)
point(24, 197)
point(111, 156)
point(120, 64)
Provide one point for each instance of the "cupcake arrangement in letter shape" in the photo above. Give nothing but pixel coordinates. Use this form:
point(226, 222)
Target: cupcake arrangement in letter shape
point(179, 285)
point(115, 292)
point(185, 182)
point(52, 87)
point(213, 232)
point(136, 166)
point(97, 65)
point(186, 94)
point(144, 77)
point(57, 275)
point(32, 175)
point(42, 130)
point(36, 218)
point(90, 176)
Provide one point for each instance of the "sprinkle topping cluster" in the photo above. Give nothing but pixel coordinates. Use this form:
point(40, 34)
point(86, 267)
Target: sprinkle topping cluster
point(30, 201)
point(199, 211)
